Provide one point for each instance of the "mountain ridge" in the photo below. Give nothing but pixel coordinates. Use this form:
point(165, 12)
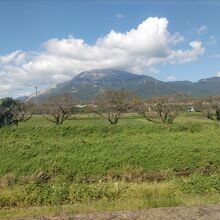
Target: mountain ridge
point(88, 84)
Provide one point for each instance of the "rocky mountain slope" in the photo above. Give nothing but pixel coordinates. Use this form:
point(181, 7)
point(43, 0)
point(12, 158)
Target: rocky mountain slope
point(88, 84)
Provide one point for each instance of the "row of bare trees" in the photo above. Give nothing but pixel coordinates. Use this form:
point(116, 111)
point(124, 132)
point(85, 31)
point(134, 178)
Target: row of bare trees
point(110, 105)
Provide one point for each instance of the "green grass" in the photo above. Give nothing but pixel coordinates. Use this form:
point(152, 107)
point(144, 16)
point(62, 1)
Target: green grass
point(124, 196)
point(92, 147)
point(43, 164)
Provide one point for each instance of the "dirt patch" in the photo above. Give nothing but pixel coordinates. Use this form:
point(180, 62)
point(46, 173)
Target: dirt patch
point(211, 212)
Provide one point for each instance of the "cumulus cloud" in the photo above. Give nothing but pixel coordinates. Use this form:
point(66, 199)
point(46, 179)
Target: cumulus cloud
point(136, 50)
point(185, 56)
point(16, 57)
point(218, 74)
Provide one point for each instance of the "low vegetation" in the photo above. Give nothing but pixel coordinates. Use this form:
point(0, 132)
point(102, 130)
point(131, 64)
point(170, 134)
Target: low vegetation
point(85, 164)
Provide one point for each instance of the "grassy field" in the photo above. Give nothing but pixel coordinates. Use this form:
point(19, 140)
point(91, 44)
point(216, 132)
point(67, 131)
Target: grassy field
point(86, 158)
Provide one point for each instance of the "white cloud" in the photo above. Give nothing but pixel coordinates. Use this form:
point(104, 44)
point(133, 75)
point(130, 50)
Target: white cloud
point(171, 78)
point(16, 57)
point(218, 74)
point(212, 40)
point(120, 16)
point(136, 50)
point(202, 29)
point(185, 56)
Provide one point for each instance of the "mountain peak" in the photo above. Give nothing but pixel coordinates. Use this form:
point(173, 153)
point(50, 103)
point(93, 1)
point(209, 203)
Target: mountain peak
point(88, 84)
point(95, 74)
point(214, 79)
point(101, 73)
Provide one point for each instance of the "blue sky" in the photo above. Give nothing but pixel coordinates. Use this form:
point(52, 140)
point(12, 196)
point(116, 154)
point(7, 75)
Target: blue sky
point(27, 26)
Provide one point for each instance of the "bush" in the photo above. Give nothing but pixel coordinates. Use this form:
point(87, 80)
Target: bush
point(46, 194)
point(88, 192)
point(199, 184)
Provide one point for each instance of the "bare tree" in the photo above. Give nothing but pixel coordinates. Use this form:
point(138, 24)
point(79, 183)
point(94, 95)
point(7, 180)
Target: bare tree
point(112, 105)
point(144, 109)
point(21, 113)
point(166, 110)
point(210, 106)
point(166, 107)
point(59, 108)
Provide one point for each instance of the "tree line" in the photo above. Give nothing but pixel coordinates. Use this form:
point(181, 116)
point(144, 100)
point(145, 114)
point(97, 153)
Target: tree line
point(110, 105)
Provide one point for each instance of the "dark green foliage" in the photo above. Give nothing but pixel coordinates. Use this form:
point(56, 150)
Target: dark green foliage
point(7, 105)
point(12, 112)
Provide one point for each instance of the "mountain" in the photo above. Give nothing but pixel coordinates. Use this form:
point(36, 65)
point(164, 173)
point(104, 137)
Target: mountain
point(210, 84)
point(89, 84)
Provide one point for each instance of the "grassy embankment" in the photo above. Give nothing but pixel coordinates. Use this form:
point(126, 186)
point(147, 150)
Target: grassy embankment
point(86, 160)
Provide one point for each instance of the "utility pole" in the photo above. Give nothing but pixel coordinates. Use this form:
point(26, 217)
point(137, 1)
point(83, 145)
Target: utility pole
point(36, 90)
point(36, 93)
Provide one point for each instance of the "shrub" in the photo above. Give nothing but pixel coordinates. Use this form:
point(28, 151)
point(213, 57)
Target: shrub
point(88, 192)
point(46, 194)
point(199, 184)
